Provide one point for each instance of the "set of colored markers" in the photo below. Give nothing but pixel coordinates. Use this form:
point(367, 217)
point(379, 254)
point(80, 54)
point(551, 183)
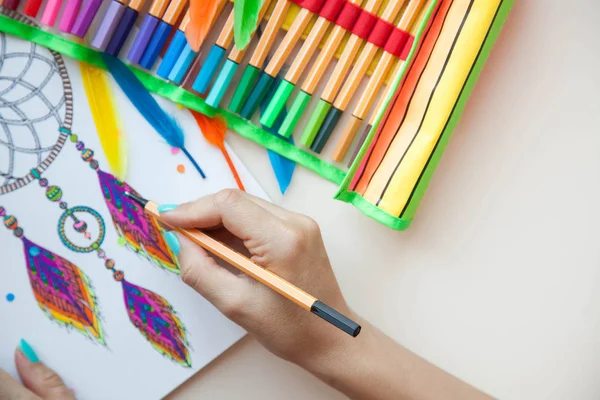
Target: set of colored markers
point(370, 29)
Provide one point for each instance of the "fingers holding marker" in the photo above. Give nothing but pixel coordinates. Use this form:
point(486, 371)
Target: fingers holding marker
point(224, 289)
point(230, 208)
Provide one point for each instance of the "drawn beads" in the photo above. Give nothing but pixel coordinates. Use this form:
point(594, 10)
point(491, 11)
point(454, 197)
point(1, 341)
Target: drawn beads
point(18, 232)
point(80, 226)
point(87, 155)
point(2, 212)
point(109, 264)
point(43, 182)
point(80, 146)
point(54, 193)
point(118, 275)
point(11, 222)
point(73, 137)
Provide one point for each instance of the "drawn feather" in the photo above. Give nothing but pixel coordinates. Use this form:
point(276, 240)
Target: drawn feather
point(155, 318)
point(202, 13)
point(245, 20)
point(63, 291)
point(141, 232)
point(214, 130)
point(104, 112)
point(136, 92)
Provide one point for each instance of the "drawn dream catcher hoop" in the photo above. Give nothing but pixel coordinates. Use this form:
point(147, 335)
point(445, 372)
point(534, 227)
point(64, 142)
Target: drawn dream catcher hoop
point(32, 143)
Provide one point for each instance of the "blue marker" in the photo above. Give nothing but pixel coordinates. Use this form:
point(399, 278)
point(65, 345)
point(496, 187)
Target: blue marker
point(183, 64)
point(209, 69)
point(172, 54)
point(162, 32)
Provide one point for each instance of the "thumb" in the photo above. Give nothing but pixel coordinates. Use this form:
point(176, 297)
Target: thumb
point(37, 377)
point(220, 286)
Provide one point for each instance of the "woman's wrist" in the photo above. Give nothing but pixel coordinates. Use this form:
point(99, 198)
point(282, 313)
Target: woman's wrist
point(338, 357)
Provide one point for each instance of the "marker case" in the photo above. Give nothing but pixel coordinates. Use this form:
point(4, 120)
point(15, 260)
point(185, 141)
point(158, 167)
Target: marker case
point(392, 168)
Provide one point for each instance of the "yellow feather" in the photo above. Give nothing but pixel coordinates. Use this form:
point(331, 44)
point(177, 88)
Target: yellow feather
point(104, 111)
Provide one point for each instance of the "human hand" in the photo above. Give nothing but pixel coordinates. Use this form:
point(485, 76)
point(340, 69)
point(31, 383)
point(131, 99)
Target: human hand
point(39, 381)
point(286, 243)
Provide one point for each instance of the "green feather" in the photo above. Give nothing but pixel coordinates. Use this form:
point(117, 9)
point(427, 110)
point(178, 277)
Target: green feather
point(245, 20)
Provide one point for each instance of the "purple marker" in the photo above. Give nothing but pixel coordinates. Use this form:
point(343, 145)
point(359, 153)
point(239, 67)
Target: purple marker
point(147, 29)
point(85, 17)
point(122, 32)
point(107, 27)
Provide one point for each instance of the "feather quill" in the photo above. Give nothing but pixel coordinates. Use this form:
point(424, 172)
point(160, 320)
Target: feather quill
point(202, 13)
point(136, 92)
point(104, 113)
point(214, 130)
point(245, 21)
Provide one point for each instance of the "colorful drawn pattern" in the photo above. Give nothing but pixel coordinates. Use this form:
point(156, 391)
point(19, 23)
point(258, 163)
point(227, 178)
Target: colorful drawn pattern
point(63, 291)
point(155, 319)
point(142, 233)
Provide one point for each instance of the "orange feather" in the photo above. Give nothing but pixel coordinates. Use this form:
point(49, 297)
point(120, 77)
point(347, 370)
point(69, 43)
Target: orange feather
point(214, 130)
point(202, 15)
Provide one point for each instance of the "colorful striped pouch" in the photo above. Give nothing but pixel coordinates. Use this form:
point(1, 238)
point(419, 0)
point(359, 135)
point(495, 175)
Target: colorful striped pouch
point(393, 168)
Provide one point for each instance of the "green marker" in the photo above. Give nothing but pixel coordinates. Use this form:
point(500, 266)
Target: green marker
point(293, 116)
point(315, 122)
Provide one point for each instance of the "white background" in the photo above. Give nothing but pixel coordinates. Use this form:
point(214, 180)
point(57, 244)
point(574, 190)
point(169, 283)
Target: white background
point(129, 367)
point(497, 280)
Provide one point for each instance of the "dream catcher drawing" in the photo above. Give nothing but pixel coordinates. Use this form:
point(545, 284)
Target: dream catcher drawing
point(28, 145)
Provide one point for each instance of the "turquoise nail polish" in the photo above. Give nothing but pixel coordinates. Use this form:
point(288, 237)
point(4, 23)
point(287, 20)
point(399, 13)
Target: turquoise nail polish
point(172, 242)
point(166, 207)
point(28, 351)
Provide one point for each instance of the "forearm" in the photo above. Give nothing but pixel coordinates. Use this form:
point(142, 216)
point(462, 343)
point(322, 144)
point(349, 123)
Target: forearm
point(373, 366)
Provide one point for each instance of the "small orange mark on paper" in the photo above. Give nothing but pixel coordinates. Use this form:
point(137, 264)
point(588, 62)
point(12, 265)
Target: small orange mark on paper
point(181, 168)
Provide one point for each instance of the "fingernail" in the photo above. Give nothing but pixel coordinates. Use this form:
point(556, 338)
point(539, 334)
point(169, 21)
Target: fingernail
point(172, 242)
point(28, 352)
point(166, 207)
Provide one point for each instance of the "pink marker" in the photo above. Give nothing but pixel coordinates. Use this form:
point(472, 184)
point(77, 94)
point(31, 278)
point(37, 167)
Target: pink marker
point(51, 12)
point(69, 15)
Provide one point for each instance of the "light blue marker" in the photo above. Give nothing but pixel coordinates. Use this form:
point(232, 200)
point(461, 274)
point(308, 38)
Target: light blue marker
point(183, 64)
point(209, 69)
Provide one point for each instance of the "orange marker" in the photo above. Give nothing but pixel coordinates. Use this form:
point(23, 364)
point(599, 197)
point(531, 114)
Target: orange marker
point(369, 94)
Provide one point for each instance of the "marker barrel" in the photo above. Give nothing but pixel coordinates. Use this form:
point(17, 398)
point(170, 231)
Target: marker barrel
point(161, 34)
point(209, 69)
point(294, 114)
point(257, 95)
point(249, 77)
point(142, 39)
point(122, 32)
point(175, 48)
point(277, 103)
point(107, 27)
point(222, 83)
point(86, 15)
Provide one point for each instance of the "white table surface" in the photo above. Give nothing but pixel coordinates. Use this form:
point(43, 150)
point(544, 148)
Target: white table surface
point(497, 280)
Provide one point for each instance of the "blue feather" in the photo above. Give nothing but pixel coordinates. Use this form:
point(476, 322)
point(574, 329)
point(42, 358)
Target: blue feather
point(136, 92)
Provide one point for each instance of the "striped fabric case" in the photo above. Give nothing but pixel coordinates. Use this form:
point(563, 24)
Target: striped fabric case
point(396, 162)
